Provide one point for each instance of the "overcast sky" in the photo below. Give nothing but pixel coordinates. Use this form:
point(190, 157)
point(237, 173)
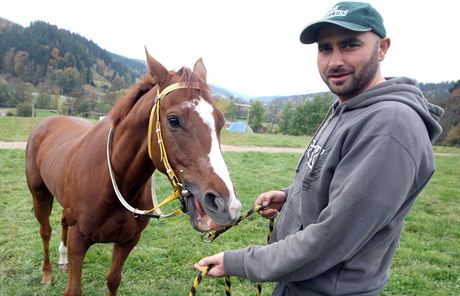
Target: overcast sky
point(251, 46)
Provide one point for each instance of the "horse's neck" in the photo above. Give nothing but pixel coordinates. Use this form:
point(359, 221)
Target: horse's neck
point(130, 152)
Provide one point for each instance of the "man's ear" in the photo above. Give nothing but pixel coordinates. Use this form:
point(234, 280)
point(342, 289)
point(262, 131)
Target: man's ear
point(384, 44)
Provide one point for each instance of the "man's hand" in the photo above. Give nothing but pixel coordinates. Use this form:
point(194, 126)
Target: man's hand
point(217, 260)
point(274, 200)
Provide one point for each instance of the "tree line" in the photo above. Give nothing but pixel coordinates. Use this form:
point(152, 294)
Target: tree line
point(287, 116)
point(303, 115)
point(53, 68)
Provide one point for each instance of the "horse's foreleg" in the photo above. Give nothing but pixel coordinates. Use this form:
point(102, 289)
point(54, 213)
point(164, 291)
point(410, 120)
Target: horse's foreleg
point(119, 254)
point(43, 202)
point(77, 245)
point(62, 263)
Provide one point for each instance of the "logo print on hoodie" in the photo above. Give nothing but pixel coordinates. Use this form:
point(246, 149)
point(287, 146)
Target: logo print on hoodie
point(313, 164)
point(313, 152)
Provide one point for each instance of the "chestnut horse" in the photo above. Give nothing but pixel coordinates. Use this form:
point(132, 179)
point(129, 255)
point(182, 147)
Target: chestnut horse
point(69, 159)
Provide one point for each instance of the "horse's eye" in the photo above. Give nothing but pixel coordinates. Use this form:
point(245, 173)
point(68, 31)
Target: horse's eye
point(173, 121)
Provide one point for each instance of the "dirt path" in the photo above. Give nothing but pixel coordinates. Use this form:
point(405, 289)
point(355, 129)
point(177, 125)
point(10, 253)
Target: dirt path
point(231, 148)
point(262, 149)
point(22, 145)
point(13, 145)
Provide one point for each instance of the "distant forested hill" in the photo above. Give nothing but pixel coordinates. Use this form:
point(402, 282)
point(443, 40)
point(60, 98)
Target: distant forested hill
point(61, 61)
point(437, 92)
point(45, 67)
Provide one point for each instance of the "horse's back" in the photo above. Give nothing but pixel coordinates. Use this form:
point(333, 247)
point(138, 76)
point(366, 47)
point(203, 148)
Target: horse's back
point(56, 125)
point(56, 133)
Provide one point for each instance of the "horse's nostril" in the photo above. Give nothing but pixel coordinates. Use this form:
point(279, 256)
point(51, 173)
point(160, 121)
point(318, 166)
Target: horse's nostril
point(214, 202)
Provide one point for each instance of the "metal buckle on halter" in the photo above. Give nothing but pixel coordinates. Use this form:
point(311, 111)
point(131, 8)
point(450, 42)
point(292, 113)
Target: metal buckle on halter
point(184, 193)
point(206, 237)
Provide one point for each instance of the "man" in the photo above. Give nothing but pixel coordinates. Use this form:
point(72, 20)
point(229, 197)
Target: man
point(341, 219)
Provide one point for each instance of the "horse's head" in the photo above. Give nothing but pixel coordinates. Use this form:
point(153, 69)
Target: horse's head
point(191, 125)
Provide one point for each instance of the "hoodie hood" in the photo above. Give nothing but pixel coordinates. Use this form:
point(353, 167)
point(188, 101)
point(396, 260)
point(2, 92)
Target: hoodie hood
point(404, 90)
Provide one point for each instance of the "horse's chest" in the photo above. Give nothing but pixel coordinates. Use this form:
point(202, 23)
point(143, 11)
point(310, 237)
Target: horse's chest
point(116, 229)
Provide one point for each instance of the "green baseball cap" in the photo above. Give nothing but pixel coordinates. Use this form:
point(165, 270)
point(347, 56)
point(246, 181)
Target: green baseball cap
point(354, 16)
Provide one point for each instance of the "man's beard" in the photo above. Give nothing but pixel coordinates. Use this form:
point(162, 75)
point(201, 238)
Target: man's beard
point(358, 80)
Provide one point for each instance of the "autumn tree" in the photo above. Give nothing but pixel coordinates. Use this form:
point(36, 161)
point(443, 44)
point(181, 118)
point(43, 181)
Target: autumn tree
point(450, 121)
point(68, 80)
point(68, 61)
point(453, 136)
point(22, 66)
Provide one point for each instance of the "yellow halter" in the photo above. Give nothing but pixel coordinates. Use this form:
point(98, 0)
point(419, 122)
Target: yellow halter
point(156, 109)
point(179, 188)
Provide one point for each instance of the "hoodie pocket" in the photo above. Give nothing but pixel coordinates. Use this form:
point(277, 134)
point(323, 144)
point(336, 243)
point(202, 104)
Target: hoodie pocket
point(289, 221)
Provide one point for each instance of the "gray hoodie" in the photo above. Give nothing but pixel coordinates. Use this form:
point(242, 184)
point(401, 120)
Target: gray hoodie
point(353, 187)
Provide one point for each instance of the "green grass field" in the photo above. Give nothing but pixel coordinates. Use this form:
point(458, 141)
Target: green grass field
point(15, 128)
point(426, 263)
point(18, 128)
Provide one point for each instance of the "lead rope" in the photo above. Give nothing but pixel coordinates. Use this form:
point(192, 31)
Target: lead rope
point(212, 235)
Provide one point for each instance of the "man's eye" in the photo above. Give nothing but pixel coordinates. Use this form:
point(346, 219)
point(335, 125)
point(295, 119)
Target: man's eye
point(351, 45)
point(173, 121)
point(324, 49)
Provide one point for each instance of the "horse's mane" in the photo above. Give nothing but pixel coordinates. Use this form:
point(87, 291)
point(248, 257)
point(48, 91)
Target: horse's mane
point(125, 103)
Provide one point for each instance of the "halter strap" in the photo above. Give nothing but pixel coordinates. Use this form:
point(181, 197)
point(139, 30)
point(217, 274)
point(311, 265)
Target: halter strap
point(156, 109)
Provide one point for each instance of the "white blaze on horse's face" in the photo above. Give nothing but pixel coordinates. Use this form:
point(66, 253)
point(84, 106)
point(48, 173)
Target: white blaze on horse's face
point(205, 110)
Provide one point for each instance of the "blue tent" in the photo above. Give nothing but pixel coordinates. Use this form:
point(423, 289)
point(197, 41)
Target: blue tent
point(240, 127)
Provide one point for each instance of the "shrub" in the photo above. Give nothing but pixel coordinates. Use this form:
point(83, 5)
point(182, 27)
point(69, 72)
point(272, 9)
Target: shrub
point(453, 136)
point(24, 110)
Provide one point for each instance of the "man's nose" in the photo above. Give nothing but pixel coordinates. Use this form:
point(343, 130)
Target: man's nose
point(336, 59)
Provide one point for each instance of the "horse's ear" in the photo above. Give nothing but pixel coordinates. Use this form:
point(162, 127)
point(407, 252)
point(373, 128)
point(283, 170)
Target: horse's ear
point(156, 69)
point(199, 69)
